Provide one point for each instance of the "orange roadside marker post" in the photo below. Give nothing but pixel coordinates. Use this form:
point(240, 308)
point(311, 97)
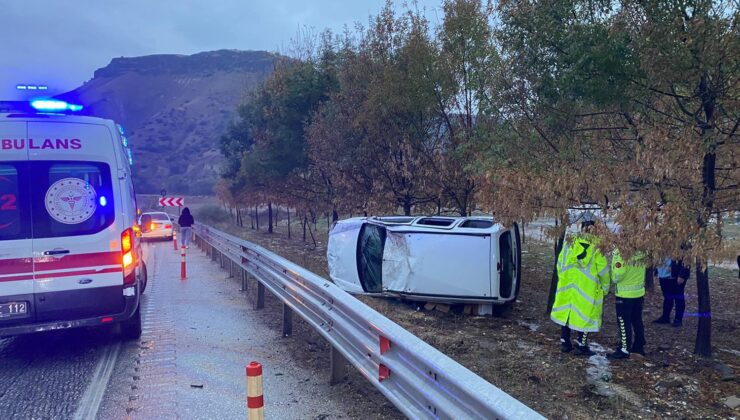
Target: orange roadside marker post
point(174, 239)
point(183, 270)
point(255, 399)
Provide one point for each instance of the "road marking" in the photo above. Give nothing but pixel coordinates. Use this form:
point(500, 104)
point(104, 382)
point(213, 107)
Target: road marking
point(93, 396)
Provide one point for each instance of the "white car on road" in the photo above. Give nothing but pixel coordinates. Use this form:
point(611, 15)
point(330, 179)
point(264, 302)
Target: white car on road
point(156, 225)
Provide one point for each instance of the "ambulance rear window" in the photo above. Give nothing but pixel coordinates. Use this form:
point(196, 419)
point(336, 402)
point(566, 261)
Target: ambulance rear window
point(14, 210)
point(71, 198)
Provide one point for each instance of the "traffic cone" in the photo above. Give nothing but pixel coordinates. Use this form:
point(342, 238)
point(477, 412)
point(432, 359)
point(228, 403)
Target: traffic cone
point(174, 240)
point(255, 399)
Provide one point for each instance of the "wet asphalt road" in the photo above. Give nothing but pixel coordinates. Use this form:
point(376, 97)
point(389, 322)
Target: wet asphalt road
point(189, 363)
point(44, 376)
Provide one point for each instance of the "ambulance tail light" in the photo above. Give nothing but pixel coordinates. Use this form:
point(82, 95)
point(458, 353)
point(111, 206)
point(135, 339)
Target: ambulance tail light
point(127, 254)
point(168, 226)
point(152, 226)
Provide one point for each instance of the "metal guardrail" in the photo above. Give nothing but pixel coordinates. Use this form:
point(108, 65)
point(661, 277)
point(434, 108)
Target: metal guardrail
point(419, 380)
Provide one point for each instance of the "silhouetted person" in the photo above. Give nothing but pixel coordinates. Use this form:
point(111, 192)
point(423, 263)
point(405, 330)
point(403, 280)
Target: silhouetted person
point(186, 222)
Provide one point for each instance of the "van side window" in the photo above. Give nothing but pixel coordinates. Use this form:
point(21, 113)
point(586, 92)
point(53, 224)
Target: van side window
point(14, 202)
point(477, 224)
point(370, 247)
point(435, 221)
point(71, 198)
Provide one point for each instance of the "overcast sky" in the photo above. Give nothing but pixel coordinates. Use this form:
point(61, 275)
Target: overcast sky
point(61, 43)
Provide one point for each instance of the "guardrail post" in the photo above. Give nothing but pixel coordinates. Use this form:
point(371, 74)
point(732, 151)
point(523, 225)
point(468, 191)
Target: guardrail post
point(337, 366)
point(244, 284)
point(260, 302)
point(287, 321)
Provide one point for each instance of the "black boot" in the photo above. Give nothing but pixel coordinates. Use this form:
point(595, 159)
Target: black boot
point(662, 320)
point(619, 354)
point(582, 345)
point(584, 351)
point(565, 344)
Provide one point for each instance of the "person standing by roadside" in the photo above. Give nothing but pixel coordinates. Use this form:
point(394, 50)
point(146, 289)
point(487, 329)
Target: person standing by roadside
point(629, 288)
point(673, 276)
point(186, 222)
point(583, 281)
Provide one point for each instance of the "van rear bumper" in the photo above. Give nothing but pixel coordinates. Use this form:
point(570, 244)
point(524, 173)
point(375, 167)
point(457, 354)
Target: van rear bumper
point(131, 304)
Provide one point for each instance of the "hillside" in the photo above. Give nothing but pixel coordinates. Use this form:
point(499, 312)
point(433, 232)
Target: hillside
point(174, 109)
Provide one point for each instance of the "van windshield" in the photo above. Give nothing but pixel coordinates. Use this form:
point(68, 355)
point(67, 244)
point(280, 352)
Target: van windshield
point(70, 198)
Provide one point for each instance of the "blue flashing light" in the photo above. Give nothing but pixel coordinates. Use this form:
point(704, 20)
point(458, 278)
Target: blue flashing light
point(103, 201)
point(53, 105)
point(130, 157)
point(120, 129)
point(21, 87)
point(124, 140)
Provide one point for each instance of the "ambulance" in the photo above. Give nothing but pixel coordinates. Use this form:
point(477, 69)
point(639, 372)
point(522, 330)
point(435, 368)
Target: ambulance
point(69, 255)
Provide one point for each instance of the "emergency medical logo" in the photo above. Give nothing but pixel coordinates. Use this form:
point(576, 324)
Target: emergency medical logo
point(71, 201)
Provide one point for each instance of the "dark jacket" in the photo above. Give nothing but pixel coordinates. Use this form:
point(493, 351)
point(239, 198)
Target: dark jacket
point(186, 219)
point(678, 269)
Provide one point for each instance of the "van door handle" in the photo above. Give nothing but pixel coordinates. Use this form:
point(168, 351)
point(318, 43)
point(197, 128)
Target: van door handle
point(57, 252)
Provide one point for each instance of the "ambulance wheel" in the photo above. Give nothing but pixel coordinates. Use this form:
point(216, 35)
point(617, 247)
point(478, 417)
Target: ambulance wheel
point(144, 277)
point(131, 328)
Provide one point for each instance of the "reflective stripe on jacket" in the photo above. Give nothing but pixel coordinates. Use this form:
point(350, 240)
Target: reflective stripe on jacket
point(583, 281)
point(628, 277)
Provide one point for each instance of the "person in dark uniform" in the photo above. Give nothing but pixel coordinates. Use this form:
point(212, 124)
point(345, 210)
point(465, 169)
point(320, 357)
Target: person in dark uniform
point(673, 276)
point(629, 287)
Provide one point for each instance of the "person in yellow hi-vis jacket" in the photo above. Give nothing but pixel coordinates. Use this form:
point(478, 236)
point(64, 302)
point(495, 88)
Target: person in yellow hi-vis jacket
point(629, 287)
point(583, 281)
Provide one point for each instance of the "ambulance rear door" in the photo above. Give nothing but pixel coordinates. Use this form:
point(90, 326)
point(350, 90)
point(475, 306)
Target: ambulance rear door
point(16, 262)
point(76, 212)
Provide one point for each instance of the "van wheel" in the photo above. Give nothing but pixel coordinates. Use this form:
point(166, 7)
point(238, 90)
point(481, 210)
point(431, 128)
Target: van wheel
point(131, 328)
point(144, 277)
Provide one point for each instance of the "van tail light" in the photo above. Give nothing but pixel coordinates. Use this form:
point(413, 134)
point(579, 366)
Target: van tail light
point(127, 256)
point(168, 226)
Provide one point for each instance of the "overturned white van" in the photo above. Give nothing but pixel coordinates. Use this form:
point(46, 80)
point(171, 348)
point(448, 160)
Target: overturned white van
point(433, 259)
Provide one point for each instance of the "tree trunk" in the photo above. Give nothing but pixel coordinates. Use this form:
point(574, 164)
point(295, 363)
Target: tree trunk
point(305, 222)
point(703, 345)
point(554, 279)
point(523, 235)
point(407, 207)
point(312, 237)
point(334, 215)
point(257, 216)
point(269, 217)
point(251, 218)
point(288, 210)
